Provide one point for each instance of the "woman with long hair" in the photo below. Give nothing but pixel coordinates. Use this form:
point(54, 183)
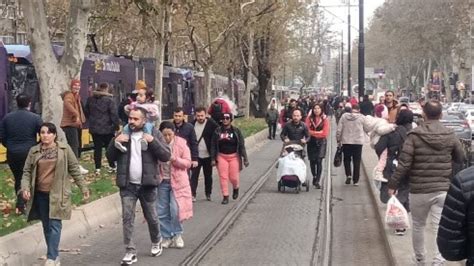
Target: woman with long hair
point(318, 126)
point(174, 192)
point(46, 186)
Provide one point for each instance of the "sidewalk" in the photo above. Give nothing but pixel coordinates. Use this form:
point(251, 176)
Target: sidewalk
point(401, 246)
point(94, 235)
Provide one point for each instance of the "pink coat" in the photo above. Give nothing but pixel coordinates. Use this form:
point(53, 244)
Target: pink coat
point(180, 179)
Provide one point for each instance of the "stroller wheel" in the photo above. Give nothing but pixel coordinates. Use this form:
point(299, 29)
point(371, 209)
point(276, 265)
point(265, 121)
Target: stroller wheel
point(307, 184)
point(279, 186)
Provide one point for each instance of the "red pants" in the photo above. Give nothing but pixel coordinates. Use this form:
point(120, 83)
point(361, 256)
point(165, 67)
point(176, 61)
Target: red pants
point(228, 167)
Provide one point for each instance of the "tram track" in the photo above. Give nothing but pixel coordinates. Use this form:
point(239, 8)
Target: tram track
point(221, 229)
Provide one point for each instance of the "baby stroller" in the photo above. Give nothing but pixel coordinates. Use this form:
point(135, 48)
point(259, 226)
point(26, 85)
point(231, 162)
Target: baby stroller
point(291, 171)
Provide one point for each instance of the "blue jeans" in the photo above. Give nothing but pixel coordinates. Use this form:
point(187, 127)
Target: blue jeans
point(148, 129)
point(168, 211)
point(51, 227)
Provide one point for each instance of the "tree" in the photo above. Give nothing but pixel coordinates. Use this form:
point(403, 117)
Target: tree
point(55, 75)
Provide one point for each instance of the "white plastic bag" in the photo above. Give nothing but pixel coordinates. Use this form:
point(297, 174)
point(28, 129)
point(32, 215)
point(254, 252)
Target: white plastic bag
point(396, 217)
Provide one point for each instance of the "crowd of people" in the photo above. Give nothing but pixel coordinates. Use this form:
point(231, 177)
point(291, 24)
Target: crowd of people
point(415, 163)
point(156, 163)
point(159, 162)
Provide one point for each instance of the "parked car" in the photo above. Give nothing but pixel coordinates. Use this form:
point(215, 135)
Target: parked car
point(457, 122)
point(469, 114)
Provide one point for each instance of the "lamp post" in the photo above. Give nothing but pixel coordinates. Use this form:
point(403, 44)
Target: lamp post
point(361, 51)
point(349, 86)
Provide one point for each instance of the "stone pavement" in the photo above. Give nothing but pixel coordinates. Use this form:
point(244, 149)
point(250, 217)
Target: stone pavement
point(276, 228)
point(401, 246)
point(105, 247)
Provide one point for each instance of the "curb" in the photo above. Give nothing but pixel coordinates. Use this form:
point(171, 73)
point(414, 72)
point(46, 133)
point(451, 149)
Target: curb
point(84, 220)
point(380, 214)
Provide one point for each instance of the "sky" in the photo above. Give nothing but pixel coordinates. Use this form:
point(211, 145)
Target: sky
point(336, 11)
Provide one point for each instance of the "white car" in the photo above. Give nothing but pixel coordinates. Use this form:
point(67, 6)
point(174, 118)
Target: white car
point(470, 117)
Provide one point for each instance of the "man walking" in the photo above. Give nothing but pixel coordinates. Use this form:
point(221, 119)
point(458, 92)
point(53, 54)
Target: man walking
point(73, 119)
point(426, 160)
point(204, 128)
point(137, 178)
point(18, 132)
point(351, 135)
point(102, 115)
point(272, 118)
point(186, 131)
point(296, 130)
point(392, 106)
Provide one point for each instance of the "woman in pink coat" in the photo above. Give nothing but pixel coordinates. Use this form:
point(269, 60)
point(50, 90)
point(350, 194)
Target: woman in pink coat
point(174, 192)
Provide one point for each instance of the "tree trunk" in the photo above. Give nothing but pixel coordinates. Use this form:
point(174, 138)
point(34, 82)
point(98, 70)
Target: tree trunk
point(264, 84)
point(207, 83)
point(249, 72)
point(55, 77)
point(159, 46)
point(447, 86)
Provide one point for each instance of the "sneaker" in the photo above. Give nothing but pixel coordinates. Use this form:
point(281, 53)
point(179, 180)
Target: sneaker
point(166, 243)
point(129, 258)
point(57, 262)
point(83, 170)
point(356, 184)
point(378, 175)
point(50, 262)
point(156, 249)
point(194, 199)
point(144, 145)
point(97, 172)
point(400, 232)
point(178, 242)
point(120, 147)
point(348, 180)
point(111, 170)
point(225, 200)
point(317, 186)
point(235, 193)
point(208, 197)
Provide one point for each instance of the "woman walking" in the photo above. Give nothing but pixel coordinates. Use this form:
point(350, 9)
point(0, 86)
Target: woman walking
point(393, 143)
point(47, 188)
point(318, 126)
point(227, 151)
point(174, 192)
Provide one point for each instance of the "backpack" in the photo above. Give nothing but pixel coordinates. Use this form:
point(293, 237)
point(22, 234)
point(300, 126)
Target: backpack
point(217, 108)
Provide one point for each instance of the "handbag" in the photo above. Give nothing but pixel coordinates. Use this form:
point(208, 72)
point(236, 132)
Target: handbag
point(338, 157)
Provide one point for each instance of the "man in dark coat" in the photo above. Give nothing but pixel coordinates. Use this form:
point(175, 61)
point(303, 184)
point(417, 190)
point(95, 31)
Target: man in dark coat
point(18, 132)
point(185, 130)
point(456, 228)
point(426, 159)
point(204, 128)
point(101, 113)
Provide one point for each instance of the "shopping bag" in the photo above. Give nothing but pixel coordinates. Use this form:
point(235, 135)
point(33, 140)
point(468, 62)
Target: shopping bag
point(396, 217)
point(338, 157)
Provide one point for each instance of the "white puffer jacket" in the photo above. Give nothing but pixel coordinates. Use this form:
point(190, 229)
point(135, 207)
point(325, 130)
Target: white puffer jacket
point(377, 127)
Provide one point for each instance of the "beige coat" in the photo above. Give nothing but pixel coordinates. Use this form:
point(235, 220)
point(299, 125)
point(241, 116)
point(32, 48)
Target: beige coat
point(60, 194)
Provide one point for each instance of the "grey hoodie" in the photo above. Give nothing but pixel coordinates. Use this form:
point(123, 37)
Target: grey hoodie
point(351, 129)
point(427, 157)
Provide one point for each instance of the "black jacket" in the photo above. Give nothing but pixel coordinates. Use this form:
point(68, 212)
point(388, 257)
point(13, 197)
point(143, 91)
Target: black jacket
point(186, 131)
point(209, 129)
point(240, 143)
point(157, 150)
point(456, 228)
point(101, 113)
point(19, 129)
point(294, 132)
point(366, 108)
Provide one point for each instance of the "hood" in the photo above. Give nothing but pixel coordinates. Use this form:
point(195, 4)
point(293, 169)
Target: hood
point(353, 116)
point(101, 93)
point(434, 134)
